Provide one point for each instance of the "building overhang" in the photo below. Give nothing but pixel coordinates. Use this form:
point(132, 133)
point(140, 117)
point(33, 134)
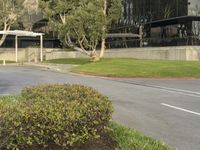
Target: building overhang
point(21, 33)
point(173, 21)
point(122, 35)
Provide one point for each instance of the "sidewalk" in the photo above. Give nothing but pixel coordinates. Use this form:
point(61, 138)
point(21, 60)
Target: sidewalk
point(64, 68)
point(54, 67)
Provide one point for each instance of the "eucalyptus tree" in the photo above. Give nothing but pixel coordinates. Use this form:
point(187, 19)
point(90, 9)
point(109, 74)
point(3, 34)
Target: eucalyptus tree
point(112, 10)
point(10, 12)
point(31, 8)
point(82, 24)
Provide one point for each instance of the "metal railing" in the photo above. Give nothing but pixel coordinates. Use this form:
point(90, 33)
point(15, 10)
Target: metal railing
point(153, 42)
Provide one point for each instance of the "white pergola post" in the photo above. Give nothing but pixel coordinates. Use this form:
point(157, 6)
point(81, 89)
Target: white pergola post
point(16, 48)
point(41, 48)
point(18, 33)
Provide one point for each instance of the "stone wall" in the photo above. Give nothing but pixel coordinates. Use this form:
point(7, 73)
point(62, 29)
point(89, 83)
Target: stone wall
point(191, 53)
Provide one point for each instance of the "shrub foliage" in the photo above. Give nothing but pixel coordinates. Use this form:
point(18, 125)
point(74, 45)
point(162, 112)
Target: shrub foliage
point(53, 117)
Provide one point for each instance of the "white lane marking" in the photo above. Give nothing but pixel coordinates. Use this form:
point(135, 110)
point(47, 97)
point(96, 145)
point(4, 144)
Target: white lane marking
point(182, 109)
point(179, 90)
point(166, 89)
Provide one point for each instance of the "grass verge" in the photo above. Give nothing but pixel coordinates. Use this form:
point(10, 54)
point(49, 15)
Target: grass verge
point(7, 100)
point(124, 67)
point(130, 139)
point(124, 138)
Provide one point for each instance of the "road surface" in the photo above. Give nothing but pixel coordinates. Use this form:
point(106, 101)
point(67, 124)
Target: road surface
point(168, 110)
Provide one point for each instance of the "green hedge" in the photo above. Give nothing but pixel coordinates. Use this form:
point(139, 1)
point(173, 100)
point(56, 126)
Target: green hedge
point(54, 117)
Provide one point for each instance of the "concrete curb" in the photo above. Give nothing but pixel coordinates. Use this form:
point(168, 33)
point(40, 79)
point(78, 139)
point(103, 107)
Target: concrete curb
point(11, 64)
point(64, 68)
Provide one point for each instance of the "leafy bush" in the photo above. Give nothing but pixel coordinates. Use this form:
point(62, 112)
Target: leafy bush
point(54, 117)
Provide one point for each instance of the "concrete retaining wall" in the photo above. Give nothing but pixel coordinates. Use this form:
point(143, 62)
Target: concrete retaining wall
point(191, 53)
point(24, 54)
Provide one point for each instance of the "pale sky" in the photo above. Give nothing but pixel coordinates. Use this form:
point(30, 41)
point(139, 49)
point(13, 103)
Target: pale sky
point(192, 6)
point(194, 3)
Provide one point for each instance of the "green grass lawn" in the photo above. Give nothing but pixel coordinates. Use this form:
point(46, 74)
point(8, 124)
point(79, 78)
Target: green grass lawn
point(77, 61)
point(130, 139)
point(141, 68)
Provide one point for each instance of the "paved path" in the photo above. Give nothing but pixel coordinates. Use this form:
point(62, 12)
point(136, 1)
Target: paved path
point(168, 110)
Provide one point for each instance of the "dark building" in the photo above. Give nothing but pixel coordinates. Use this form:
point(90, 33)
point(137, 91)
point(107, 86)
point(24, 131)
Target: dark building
point(160, 22)
point(154, 9)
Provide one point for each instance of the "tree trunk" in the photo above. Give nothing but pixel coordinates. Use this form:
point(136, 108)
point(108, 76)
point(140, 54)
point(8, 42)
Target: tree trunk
point(69, 42)
point(103, 39)
point(94, 56)
point(103, 43)
point(3, 38)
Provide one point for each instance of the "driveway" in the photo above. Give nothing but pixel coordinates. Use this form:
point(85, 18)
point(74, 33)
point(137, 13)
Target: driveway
point(168, 110)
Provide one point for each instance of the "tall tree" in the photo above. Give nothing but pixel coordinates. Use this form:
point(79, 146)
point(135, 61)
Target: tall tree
point(81, 24)
point(31, 6)
point(31, 9)
point(10, 10)
point(112, 10)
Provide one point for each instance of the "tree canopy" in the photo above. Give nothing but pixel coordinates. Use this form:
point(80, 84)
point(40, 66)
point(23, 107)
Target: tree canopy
point(31, 10)
point(81, 24)
point(11, 11)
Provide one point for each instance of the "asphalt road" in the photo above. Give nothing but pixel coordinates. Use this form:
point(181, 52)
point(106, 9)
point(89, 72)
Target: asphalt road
point(168, 110)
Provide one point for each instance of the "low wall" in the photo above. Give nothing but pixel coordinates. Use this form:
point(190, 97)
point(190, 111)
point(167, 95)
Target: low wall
point(190, 53)
point(24, 54)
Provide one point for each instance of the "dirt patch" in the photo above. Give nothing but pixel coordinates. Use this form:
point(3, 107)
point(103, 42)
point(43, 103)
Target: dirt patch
point(104, 143)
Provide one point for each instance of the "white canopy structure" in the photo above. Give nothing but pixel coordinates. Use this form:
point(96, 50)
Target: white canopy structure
point(18, 33)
